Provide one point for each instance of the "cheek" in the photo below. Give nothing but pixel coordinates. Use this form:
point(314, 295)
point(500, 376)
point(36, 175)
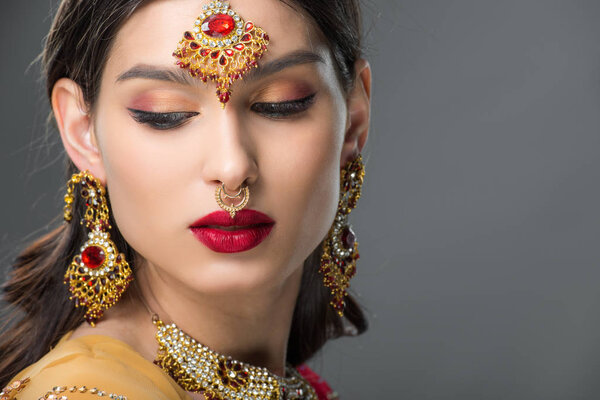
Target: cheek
point(142, 177)
point(303, 175)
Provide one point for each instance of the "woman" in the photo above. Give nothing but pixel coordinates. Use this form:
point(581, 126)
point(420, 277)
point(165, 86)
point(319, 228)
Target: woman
point(207, 242)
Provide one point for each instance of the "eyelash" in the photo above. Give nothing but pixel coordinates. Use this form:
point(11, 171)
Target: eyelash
point(171, 120)
point(285, 108)
point(161, 121)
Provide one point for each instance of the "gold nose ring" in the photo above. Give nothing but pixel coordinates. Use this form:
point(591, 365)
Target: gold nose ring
point(232, 210)
point(235, 196)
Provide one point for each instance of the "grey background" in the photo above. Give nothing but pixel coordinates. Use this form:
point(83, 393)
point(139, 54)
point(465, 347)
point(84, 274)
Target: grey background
point(479, 222)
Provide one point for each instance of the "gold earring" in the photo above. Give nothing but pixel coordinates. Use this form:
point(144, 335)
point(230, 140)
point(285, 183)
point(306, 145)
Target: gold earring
point(98, 275)
point(232, 210)
point(340, 249)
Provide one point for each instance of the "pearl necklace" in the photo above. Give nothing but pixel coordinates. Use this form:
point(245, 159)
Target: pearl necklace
point(196, 368)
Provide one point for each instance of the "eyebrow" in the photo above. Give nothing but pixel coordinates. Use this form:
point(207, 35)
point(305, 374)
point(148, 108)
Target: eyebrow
point(181, 76)
point(145, 71)
point(298, 57)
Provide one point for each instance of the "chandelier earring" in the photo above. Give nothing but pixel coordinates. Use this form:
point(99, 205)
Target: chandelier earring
point(99, 274)
point(340, 248)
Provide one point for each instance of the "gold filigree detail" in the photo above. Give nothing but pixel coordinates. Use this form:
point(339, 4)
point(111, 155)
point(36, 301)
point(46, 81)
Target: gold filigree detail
point(196, 368)
point(338, 261)
point(97, 284)
point(233, 209)
point(222, 57)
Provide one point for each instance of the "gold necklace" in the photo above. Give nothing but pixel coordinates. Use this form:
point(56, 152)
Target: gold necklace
point(196, 368)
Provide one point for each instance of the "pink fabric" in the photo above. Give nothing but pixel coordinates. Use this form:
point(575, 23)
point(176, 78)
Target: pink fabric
point(321, 387)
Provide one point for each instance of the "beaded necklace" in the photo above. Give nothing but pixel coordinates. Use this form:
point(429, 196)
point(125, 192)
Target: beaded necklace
point(196, 368)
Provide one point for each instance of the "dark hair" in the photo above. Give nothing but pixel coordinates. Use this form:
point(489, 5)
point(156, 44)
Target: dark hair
point(40, 309)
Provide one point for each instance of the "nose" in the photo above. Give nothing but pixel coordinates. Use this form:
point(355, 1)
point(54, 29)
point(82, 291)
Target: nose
point(231, 158)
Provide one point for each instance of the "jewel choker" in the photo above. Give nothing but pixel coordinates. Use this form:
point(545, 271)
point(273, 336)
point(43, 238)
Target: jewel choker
point(196, 368)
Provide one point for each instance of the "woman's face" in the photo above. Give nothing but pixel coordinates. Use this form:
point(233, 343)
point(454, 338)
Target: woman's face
point(161, 181)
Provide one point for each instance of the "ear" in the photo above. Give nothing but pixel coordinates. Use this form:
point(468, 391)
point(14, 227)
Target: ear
point(359, 112)
point(76, 127)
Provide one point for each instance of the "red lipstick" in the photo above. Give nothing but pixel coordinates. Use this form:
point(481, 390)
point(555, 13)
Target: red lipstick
point(250, 228)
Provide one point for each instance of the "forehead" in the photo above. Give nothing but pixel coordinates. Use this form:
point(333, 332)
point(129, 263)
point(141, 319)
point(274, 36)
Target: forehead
point(152, 33)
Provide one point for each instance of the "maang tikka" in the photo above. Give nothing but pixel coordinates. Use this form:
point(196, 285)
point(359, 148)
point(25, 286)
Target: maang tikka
point(340, 248)
point(221, 47)
point(98, 275)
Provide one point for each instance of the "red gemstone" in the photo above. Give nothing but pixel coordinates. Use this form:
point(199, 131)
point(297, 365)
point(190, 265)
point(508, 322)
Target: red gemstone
point(239, 46)
point(218, 25)
point(223, 60)
point(249, 26)
point(229, 52)
point(348, 238)
point(215, 54)
point(188, 36)
point(204, 52)
point(246, 37)
point(194, 46)
point(224, 97)
point(93, 257)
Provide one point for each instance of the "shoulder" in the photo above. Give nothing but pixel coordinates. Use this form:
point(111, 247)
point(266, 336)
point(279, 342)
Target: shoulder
point(90, 367)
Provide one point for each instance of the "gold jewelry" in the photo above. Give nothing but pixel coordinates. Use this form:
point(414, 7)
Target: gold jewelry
point(340, 249)
point(232, 210)
point(196, 368)
point(98, 275)
point(221, 47)
point(14, 388)
point(235, 196)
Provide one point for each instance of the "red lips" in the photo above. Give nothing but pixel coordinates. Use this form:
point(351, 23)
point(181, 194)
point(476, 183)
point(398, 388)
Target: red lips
point(253, 228)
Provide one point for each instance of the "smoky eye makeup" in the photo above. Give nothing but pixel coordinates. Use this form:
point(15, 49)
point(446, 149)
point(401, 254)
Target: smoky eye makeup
point(272, 110)
point(284, 109)
point(159, 110)
point(161, 120)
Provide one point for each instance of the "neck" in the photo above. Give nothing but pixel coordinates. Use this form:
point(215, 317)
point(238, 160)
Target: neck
point(251, 327)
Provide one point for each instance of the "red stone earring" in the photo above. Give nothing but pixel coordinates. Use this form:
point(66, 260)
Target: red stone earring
point(340, 249)
point(98, 275)
point(221, 47)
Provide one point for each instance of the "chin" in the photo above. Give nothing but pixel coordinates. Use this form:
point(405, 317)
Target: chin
point(236, 278)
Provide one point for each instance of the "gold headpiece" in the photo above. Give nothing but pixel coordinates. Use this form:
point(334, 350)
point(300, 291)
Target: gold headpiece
point(222, 47)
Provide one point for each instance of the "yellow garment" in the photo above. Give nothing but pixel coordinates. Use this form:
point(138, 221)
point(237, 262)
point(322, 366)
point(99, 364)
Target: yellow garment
point(105, 366)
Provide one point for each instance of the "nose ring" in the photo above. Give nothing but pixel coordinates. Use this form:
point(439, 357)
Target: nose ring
point(232, 210)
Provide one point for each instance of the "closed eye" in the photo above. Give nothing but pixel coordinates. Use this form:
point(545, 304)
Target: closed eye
point(284, 109)
point(161, 121)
